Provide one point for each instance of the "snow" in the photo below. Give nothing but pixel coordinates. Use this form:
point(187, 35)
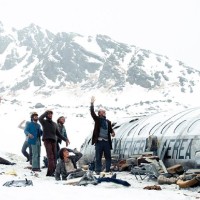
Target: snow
point(78, 128)
point(88, 44)
point(48, 188)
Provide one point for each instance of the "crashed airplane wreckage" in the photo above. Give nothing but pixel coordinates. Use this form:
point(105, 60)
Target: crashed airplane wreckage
point(177, 135)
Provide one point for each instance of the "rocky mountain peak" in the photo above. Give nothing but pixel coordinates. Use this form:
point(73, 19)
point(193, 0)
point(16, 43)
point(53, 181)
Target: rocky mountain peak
point(41, 60)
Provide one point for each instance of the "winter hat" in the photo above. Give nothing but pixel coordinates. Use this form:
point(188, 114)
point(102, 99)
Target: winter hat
point(49, 111)
point(33, 114)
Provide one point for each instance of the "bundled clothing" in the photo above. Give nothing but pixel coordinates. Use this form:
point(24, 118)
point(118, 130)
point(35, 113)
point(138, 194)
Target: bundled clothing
point(5, 162)
point(69, 167)
point(89, 178)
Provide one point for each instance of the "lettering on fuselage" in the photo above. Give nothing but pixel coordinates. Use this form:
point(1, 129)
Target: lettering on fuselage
point(172, 148)
point(128, 147)
point(116, 144)
point(176, 149)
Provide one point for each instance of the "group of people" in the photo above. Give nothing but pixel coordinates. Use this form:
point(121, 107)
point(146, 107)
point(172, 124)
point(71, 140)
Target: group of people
point(51, 134)
point(60, 163)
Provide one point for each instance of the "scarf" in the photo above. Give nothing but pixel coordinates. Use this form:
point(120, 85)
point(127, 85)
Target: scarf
point(103, 122)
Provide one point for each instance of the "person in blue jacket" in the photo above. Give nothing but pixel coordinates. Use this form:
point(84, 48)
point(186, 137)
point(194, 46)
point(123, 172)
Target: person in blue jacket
point(25, 145)
point(34, 132)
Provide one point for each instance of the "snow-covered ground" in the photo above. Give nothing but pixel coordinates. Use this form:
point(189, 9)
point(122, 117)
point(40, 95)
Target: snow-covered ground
point(48, 188)
point(78, 127)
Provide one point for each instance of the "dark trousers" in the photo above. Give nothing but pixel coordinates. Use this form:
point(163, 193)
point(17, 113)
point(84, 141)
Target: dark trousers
point(50, 147)
point(57, 150)
point(25, 153)
point(102, 147)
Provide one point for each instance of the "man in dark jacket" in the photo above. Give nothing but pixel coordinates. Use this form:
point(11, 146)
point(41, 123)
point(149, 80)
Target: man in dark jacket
point(50, 134)
point(101, 138)
point(67, 164)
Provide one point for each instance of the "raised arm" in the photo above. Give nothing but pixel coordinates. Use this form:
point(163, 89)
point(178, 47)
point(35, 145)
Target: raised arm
point(21, 125)
point(41, 117)
point(93, 114)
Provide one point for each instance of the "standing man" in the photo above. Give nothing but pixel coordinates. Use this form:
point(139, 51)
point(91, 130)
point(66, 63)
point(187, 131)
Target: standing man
point(101, 138)
point(62, 130)
point(34, 132)
point(26, 145)
point(50, 134)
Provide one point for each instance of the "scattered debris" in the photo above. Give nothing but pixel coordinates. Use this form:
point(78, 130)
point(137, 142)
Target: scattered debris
point(165, 180)
point(153, 187)
point(189, 183)
point(176, 169)
point(6, 162)
point(18, 183)
point(13, 172)
point(34, 174)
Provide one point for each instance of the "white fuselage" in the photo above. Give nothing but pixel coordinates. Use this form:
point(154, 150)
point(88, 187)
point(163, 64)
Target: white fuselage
point(178, 136)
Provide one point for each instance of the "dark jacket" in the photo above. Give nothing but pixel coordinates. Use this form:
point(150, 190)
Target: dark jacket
point(60, 167)
point(62, 131)
point(50, 129)
point(96, 130)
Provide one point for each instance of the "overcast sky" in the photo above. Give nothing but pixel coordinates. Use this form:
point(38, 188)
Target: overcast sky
point(168, 27)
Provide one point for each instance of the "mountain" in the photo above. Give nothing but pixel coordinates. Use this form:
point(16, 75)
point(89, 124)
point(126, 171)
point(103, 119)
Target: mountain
point(37, 61)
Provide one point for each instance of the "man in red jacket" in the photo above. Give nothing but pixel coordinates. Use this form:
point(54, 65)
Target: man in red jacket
point(101, 138)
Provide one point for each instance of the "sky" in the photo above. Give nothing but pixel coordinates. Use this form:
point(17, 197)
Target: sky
point(167, 27)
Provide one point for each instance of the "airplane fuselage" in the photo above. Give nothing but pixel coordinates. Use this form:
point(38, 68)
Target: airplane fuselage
point(177, 134)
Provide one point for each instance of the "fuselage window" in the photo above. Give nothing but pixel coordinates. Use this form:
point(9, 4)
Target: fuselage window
point(193, 125)
point(125, 130)
point(142, 129)
point(133, 120)
point(179, 127)
point(116, 127)
point(165, 127)
point(151, 130)
point(131, 130)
